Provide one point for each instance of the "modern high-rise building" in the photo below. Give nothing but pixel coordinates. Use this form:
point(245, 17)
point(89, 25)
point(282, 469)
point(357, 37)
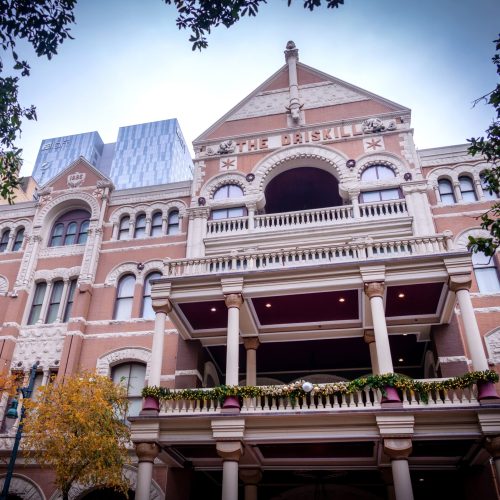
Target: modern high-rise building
point(144, 155)
point(316, 265)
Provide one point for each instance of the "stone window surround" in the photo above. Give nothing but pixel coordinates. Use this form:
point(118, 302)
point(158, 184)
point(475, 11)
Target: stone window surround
point(452, 175)
point(148, 211)
point(50, 277)
point(14, 227)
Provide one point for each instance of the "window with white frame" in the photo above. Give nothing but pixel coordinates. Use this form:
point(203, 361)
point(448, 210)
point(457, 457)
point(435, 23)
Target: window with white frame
point(58, 302)
point(467, 188)
point(486, 273)
point(132, 377)
point(489, 195)
point(228, 191)
point(124, 228)
point(446, 192)
point(377, 172)
point(147, 307)
point(124, 297)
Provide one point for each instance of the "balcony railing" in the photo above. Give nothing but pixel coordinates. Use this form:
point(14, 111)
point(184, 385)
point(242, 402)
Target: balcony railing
point(307, 218)
point(365, 249)
point(366, 399)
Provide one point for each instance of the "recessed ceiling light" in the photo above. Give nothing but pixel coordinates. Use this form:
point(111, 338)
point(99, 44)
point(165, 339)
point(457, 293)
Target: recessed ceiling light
point(213, 309)
point(401, 295)
point(400, 360)
point(268, 305)
point(341, 299)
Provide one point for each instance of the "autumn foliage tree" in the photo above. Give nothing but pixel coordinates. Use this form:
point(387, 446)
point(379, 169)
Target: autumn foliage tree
point(77, 429)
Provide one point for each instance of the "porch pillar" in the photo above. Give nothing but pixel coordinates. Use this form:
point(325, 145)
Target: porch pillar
point(398, 451)
point(230, 452)
point(375, 292)
point(233, 303)
point(161, 307)
point(369, 338)
point(460, 285)
point(146, 453)
point(251, 345)
point(354, 200)
point(250, 478)
point(492, 445)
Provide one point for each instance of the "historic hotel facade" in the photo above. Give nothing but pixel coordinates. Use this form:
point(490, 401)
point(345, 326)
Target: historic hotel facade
point(314, 243)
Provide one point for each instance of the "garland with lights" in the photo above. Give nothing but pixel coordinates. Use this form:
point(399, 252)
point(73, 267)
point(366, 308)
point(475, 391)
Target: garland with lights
point(296, 390)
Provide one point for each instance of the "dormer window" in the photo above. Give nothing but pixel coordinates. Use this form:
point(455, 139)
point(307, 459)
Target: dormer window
point(70, 229)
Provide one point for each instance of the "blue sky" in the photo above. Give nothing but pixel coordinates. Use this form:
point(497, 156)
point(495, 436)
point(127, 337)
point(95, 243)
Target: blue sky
point(130, 64)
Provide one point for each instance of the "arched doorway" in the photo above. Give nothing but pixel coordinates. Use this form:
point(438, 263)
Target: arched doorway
point(303, 188)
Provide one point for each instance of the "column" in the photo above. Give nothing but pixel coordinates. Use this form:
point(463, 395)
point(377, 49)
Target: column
point(233, 303)
point(146, 453)
point(230, 452)
point(148, 226)
point(398, 451)
point(251, 345)
point(251, 207)
point(369, 338)
point(492, 445)
point(375, 292)
point(114, 235)
point(161, 307)
point(354, 199)
point(250, 478)
point(457, 191)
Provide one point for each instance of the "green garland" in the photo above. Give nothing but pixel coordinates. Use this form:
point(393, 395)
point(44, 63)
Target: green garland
point(294, 390)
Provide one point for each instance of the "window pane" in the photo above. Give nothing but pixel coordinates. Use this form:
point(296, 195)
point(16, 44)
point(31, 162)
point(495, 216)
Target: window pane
point(156, 224)
point(136, 380)
point(147, 308)
point(124, 228)
point(18, 242)
point(37, 303)
point(126, 286)
point(446, 192)
point(370, 196)
point(173, 222)
point(123, 308)
point(384, 172)
point(222, 193)
point(467, 188)
point(220, 213)
point(69, 301)
point(140, 227)
point(487, 279)
point(83, 233)
point(447, 199)
point(125, 297)
point(236, 212)
point(57, 232)
point(235, 191)
point(5, 240)
point(369, 174)
point(390, 194)
point(55, 301)
point(70, 237)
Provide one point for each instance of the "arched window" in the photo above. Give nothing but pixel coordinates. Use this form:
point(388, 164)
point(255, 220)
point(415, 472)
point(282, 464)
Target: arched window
point(467, 188)
point(36, 306)
point(18, 241)
point(486, 273)
point(69, 300)
point(487, 194)
point(140, 226)
point(156, 224)
point(123, 231)
point(55, 301)
point(124, 297)
point(228, 191)
point(132, 377)
point(446, 192)
point(147, 308)
point(173, 222)
point(377, 172)
point(70, 229)
point(4, 241)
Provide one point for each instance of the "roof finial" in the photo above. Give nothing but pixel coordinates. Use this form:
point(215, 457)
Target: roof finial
point(292, 58)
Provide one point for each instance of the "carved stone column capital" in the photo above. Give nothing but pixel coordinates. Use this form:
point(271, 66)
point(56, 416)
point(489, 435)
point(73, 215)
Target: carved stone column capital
point(397, 449)
point(250, 476)
point(492, 445)
point(233, 300)
point(230, 450)
point(374, 289)
point(251, 343)
point(162, 305)
point(460, 282)
point(369, 336)
point(147, 452)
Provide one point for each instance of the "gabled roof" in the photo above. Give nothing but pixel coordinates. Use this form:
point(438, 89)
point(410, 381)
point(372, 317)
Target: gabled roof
point(317, 89)
point(81, 163)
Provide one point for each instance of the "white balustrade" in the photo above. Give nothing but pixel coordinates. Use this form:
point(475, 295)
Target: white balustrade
point(364, 399)
point(303, 218)
point(296, 257)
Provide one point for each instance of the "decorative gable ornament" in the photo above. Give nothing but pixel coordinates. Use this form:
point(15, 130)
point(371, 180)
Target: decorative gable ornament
point(76, 179)
point(375, 125)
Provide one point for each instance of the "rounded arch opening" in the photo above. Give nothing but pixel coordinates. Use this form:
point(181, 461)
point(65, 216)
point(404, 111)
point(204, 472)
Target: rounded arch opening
point(302, 188)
